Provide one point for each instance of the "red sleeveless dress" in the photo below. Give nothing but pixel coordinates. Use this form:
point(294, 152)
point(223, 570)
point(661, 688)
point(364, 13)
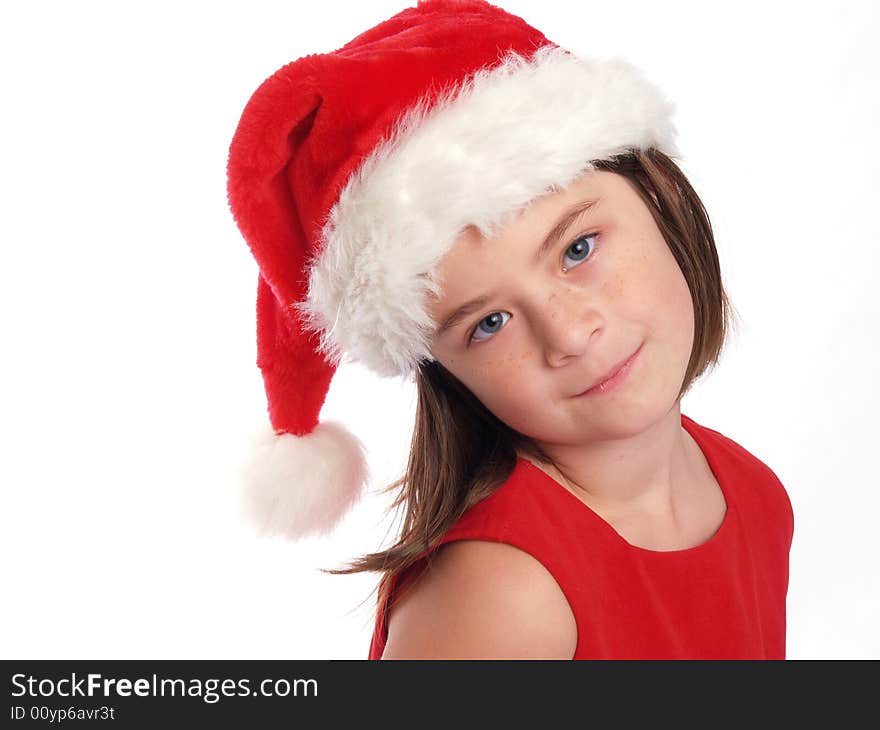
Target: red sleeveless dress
point(723, 599)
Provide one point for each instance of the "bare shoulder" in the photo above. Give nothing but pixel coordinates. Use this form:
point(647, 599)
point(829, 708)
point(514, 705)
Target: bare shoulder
point(481, 600)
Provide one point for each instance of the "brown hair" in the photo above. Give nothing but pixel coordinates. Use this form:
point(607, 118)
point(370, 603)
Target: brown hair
point(461, 453)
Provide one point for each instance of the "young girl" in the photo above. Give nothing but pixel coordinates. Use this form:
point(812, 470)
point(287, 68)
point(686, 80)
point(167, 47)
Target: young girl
point(453, 198)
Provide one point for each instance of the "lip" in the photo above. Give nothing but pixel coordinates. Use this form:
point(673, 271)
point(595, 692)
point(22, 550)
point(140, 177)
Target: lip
point(616, 378)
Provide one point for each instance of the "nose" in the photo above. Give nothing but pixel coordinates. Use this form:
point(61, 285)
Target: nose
point(564, 327)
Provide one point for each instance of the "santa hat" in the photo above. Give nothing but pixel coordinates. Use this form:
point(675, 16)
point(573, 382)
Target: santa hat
point(352, 173)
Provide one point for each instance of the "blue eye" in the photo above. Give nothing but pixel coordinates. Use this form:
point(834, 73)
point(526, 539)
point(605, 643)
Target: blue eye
point(576, 244)
point(580, 254)
point(493, 318)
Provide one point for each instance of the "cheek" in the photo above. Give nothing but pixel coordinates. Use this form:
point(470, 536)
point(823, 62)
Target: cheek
point(684, 313)
point(654, 288)
point(673, 316)
point(500, 373)
point(503, 383)
point(676, 306)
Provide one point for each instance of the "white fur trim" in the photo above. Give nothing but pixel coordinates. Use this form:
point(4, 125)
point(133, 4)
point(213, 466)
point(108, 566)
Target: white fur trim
point(477, 157)
point(301, 485)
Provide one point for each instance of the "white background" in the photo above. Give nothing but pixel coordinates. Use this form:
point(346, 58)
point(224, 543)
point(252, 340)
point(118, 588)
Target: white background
point(129, 381)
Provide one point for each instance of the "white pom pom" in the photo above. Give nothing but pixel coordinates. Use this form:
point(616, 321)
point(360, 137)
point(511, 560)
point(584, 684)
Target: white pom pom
point(300, 485)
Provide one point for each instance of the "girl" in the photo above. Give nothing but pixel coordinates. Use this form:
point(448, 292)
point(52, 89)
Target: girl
point(452, 197)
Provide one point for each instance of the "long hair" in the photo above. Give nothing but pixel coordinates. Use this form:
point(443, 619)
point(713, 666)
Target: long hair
point(461, 453)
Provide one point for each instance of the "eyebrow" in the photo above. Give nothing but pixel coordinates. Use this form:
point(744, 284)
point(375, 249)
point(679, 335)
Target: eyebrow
point(566, 220)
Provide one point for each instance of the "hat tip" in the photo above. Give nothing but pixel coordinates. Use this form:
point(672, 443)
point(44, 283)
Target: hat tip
point(299, 486)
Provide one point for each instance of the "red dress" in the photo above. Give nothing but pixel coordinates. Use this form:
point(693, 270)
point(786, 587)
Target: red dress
point(723, 599)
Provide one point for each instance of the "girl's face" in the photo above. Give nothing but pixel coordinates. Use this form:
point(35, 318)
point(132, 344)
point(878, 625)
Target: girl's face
point(553, 325)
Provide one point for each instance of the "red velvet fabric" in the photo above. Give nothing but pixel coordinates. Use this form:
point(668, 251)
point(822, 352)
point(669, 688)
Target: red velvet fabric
point(723, 599)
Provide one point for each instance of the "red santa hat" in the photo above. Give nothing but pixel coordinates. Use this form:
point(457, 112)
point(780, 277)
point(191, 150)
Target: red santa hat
point(351, 174)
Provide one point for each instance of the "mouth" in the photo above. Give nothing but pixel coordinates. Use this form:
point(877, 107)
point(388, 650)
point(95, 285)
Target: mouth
point(615, 377)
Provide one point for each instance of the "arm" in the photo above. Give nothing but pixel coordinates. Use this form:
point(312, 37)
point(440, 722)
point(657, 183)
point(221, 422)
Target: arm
point(482, 600)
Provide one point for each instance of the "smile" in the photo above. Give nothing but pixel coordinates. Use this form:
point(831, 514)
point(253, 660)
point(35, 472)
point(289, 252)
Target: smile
point(614, 380)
